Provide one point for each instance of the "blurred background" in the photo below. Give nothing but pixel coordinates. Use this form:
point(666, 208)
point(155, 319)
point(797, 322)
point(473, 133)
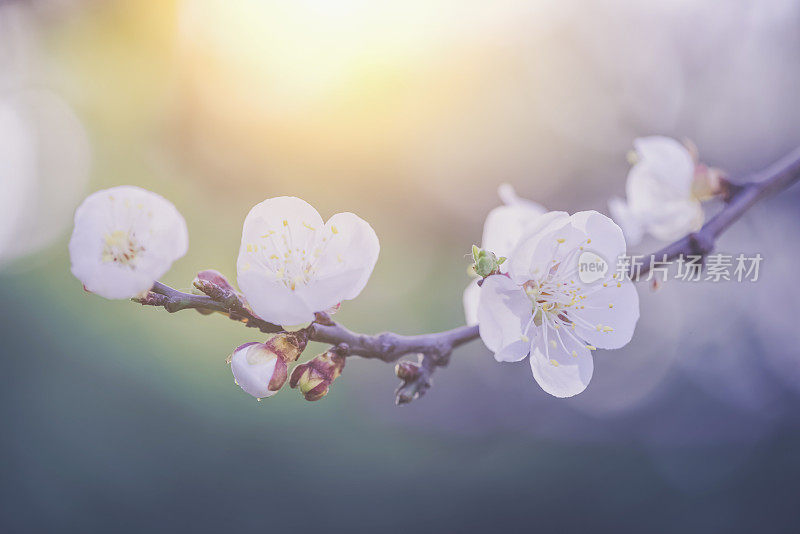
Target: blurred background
point(410, 114)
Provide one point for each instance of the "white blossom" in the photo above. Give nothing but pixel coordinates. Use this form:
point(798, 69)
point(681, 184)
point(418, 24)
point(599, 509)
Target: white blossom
point(542, 308)
point(502, 229)
point(125, 238)
point(662, 199)
point(292, 264)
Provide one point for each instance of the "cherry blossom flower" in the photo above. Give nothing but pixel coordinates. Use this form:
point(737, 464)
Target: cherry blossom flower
point(125, 238)
point(664, 191)
point(542, 308)
point(293, 264)
point(502, 230)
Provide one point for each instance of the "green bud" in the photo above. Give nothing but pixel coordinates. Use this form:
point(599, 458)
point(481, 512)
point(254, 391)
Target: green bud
point(475, 252)
point(486, 262)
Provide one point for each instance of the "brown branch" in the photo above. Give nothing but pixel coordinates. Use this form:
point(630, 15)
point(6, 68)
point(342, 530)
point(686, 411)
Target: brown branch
point(220, 301)
point(434, 349)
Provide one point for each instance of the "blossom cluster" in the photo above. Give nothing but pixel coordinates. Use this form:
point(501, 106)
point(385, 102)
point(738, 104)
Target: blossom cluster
point(291, 265)
point(543, 286)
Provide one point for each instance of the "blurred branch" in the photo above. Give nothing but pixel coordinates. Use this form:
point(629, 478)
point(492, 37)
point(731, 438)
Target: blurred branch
point(775, 178)
point(434, 349)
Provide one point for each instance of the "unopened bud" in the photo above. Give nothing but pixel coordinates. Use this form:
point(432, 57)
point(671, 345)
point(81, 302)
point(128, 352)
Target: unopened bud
point(209, 278)
point(486, 263)
point(315, 377)
point(261, 369)
point(407, 371)
point(215, 277)
point(258, 370)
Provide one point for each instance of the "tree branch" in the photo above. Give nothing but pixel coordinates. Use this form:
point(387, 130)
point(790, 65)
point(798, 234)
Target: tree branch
point(775, 178)
point(434, 349)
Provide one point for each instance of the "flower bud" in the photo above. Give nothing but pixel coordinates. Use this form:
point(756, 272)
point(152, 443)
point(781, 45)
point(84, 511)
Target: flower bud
point(216, 286)
point(315, 377)
point(261, 369)
point(486, 262)
point(407, 371)
point(215, 277)
point(258, 370)
point(206, 279)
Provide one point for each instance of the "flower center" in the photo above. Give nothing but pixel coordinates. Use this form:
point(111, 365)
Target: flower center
point(122, 248)
point(557, 293)
point(293, 262)
point(552, 299)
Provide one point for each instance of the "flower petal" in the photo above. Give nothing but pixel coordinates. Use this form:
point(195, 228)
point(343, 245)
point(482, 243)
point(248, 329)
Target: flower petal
point(503, 312)
point(513, 352)
point(627, 220)
point(667, 161)
point(561, 365)
point(602, 235)
point(471, 299)
point(608, 316)
point(530, 255)
point(505, 225)
point(269, 297)
point(509, 196)
point(325, 292)
point(253, 369)
point(353, 246)
point(263, 228)
point(677, 219)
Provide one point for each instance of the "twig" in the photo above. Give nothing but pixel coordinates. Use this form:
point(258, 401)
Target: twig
point(775, 178)
point(434, 349)
point(389, 347)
